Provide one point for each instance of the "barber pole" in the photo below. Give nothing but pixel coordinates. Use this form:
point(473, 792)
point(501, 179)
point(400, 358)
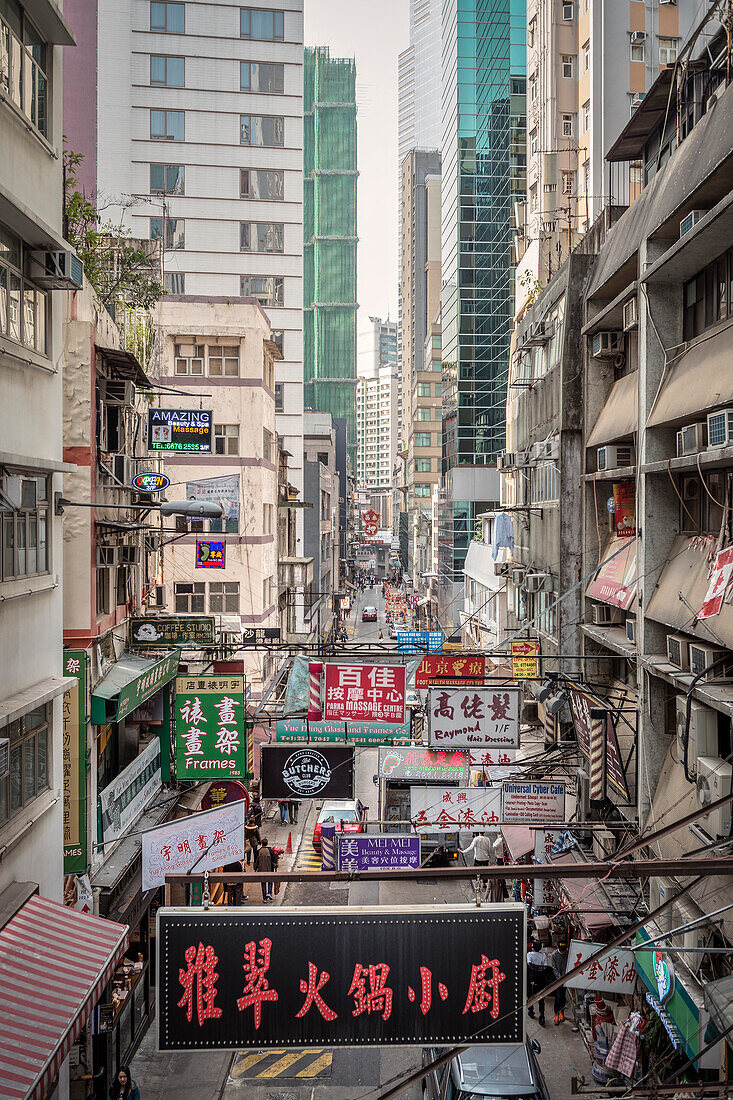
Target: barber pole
point(328, 842)
point(315, 711)
point(597, 761)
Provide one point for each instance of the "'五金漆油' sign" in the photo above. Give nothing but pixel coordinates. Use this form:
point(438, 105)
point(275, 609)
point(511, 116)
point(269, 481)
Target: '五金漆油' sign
point(291, 978)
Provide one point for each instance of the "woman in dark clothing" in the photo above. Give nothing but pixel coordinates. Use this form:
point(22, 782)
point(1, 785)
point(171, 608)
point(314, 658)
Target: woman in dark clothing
point(251, 837)
point(124, 1088)
point(256, 811)
point(263, 862)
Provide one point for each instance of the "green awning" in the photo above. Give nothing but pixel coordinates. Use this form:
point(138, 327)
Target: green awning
point(129, 683)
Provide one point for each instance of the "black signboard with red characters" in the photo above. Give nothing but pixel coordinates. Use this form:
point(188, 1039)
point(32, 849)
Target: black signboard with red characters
point(431, 975)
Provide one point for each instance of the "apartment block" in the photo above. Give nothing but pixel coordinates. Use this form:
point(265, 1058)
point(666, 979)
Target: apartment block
point(377, 414)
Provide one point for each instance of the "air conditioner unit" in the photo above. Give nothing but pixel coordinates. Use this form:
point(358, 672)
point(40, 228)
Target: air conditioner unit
point(631, 630)
point(129, 555)
point(520, 215)
point(702, 656)
point(501, 568)
point(604, 614)
point(690, 221)
point(539, 333)
point(4, 757)
point(677, 651)
point(118, 391)
point(108, 556)
point(638, 36)
point(506, 460)
point(691, 439)
point(613, 458)
point(702, 734)
point(548, 448)
point(538, 582)
point(156, 596)
point(56, 270)
point(518, 577)
point(631, 315)
point(607, 345)
point(720, 428)
point(567, 11)
point(713, 783)
point(530, 713)
point(521, 459)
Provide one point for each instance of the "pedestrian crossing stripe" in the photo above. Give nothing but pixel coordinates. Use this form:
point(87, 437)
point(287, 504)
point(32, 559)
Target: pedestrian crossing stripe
point(266, 1064)
point(309, 859)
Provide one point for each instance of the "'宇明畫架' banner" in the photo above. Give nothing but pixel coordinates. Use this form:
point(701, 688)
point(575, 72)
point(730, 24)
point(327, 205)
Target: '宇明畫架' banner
point(203, 840)
point(211, 741)
point(474, 718)
point(425, 976)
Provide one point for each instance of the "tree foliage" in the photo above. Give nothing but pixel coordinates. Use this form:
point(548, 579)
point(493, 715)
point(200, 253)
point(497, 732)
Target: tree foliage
point(118, 269)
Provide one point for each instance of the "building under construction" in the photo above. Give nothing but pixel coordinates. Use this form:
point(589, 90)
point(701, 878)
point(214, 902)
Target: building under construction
point(329, 236)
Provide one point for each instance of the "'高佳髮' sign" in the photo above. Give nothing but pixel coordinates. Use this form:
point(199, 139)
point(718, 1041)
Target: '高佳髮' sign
point(185, 630)
point(474, 718)
point(211, 740)
point(354, 733)
point(74, 763)
point(287, 978)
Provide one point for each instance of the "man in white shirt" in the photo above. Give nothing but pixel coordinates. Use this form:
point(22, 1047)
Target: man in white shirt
point(483, 850)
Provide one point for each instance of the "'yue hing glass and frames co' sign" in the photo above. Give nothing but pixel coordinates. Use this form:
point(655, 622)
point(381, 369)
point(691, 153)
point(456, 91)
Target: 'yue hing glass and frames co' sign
point(180, 430)
point(288, 978)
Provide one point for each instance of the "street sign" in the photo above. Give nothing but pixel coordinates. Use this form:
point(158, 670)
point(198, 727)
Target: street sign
point(474, 718)
point(359, 853)
point(532, 801)
point(293, 730)
point(614, 972)
point(525, 660)
point(180, 430)
point(211, 555)
point(211, 736)
point(205, 840)
point(339, 977)
point(419, 641)
point(150, 482)
point(258, 635)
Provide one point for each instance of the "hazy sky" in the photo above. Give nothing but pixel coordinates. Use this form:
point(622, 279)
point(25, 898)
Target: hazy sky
point(374, 32)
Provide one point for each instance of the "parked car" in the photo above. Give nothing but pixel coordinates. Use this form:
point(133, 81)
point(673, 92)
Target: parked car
point(500, 1071)
point(348, 814)
point(392, 630)
point(369, 615)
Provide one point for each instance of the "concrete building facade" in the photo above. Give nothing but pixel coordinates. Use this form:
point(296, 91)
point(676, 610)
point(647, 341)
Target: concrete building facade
point(377, 414)
point(322, 520)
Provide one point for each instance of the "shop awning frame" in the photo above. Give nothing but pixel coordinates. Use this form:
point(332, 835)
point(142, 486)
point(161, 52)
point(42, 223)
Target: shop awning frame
point(131, 680)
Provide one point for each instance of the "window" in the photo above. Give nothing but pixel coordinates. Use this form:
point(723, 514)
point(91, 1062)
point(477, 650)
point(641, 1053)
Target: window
point(23, 306)
point(423, 389)
point(637, 51)
point(224, 361)
point(533, 142)
point(586, 56)
point(224, 597)
point(279, 400)
point(189, 598)
point(567, 11)
point(437, 340)
point(175, 282)
point(568, 65)
point(268, 446)
point(533, 88)
point(226, 439)
point(667, 51)
point(423, 490)
point(167, 179)
point(568, 183)
point(531, 31)
point(422, 465)
point(533, 198)
point(167, 72)
point(425, 414)
point(175, 232)
point(170, 18)
point(568, 126)
point(422, 439)
point(267, 517)
point(586, 116)
point(276, 335)
point(267, 289)
point(23, 64)
point(29, 761)
point(261, 183)
point(266, 26)
point(24, 551)
point(190, 359)
point(167, 125)
point(261, 76)
point(261, 237)
point(547, 614)
point(708, 298)
point(266, 130)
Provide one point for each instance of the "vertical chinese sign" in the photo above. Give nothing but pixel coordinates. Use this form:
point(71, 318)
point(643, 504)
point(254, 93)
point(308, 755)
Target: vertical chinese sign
point(74, 763)
point(211, 727)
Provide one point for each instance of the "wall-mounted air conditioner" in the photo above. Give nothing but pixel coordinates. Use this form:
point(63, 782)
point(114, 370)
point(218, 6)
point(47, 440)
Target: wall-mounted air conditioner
point(4, 757)
point(518, 577)
point(547, 449)
point(119, 391)
point(702, 656)
point(613, 458)
point(156, 596)
point(691, 439)
point(108, 556)
point(720, 428)
point(506, 460)
point(690, 221)
point(607, 345)
point(702, 735)
point(539, 333)
point(501, 568)
point(631, 630)
point(56, 270)
point(631, 314)
point(713, 783)
point(678, 651)
point(604, 614)
point(638, 36)
point(538, 582)
point(530, 715)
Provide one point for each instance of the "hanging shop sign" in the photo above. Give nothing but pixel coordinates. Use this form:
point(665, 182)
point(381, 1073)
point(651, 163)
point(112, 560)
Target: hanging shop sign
point(544, 892)
point(309, 772)
point(223, 791)
point(360, 853)
point(74, 763)
point(187, 630)
point(259, 635)
point(624, 508)
point(210, 555)
point(78, 893)
point(449, 669)
point(528, 802)
point(150, 482)
point(293, 730)
point(474, 717)
point(720, 578)
point(211, 735)
point(615, 581)
point(370, 519)
point(452, 809)
point(525, 660)
point(419, 641)
point(223, 491)
point(424, 765)
point(130, 792)
point(198, 842)
point(180, 430)
point(146, 684)
point(581, 704)
point(663, 975)
point(372, 692)
point(492, 758)
point(614, 972)
point(285, 977)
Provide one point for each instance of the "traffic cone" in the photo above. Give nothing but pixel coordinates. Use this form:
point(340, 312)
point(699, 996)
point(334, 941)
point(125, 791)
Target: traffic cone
point(289, 845)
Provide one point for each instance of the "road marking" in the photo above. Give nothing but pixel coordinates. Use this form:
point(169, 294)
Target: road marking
point(289, 1060)
point(251, 1060)
point(320, 1064)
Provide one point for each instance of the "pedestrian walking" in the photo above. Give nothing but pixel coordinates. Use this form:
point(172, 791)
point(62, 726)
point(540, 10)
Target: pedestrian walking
point(234, 890)
point(263, 862)
point(293, 804)
point(559, 964)
point(380, 634)
point(251, 837)
point(283, 804)
point(123, 1087)
point(483, 850)
point(256, 809)
point(538, 976)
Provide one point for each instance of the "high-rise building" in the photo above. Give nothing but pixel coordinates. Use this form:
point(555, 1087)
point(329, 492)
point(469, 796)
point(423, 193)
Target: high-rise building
point(589, 66)
point(191, 124)
point(483, 174)
point(377, 414)
point(419, 80)
point(329, 236)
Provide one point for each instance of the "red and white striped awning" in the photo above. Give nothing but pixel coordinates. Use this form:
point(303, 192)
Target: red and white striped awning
point(54, 965)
